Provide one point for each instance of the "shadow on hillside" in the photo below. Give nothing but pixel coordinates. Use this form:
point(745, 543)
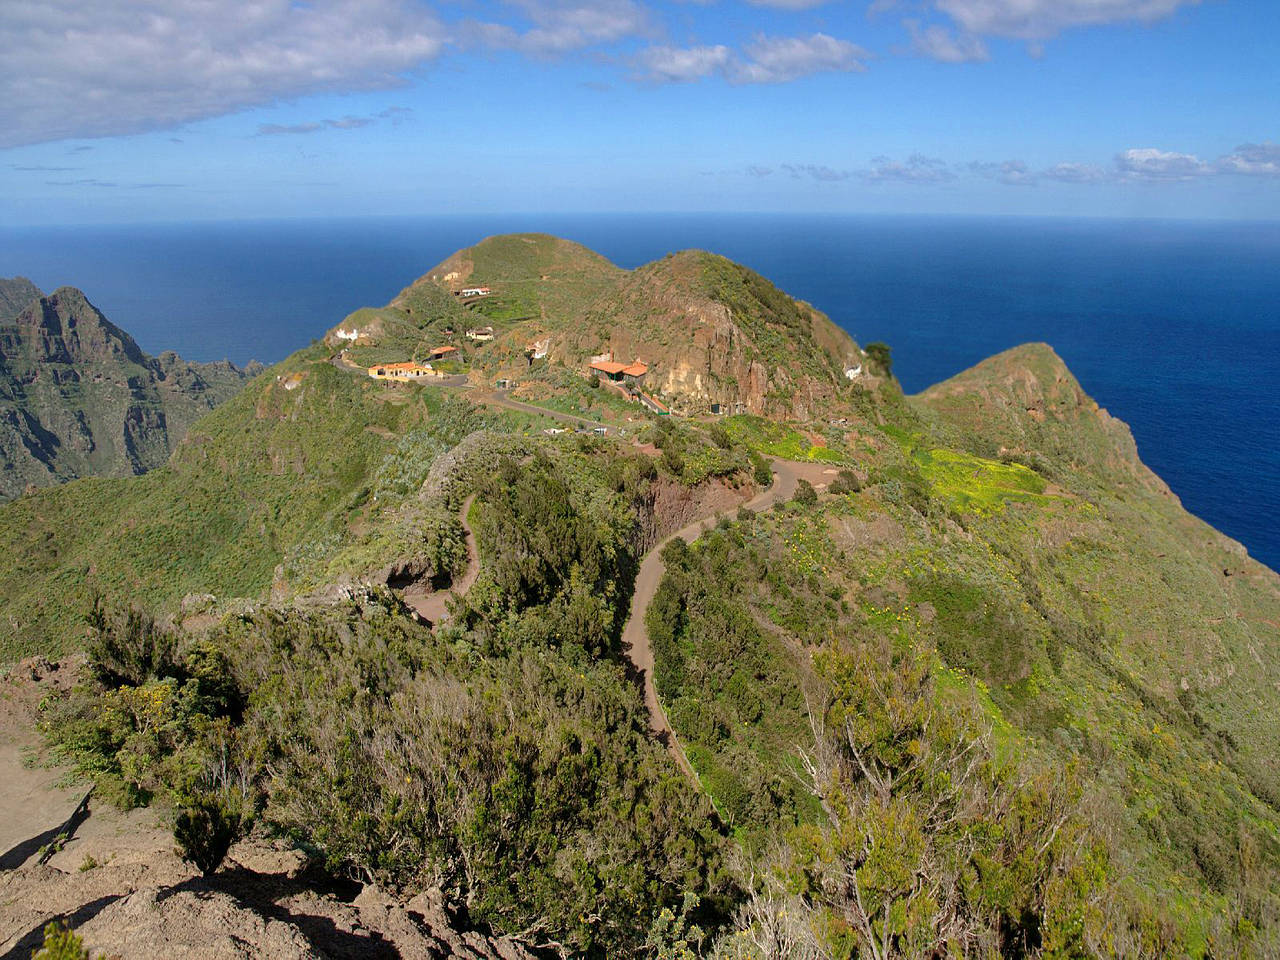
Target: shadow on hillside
point(263, 894)
point(33, 939)
point(22, 852)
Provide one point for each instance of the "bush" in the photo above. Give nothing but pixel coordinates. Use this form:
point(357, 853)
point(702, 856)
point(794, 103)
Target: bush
point(205, 831)
point(720, 436)
point(127, 646)
point(672, 461)
point(880, 357)
point(805, 494)
point(846, 482)
point(61, 944)
point(761, 472)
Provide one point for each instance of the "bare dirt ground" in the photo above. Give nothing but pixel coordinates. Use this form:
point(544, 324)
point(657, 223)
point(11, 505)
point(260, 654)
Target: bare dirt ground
point(33, 806)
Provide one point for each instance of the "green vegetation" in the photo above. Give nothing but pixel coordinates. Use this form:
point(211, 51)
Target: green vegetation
point(992, 692)
point(780, 440)
point(880, 356)
point(524, 784)
point(61, 944)
point(205, 830)
point(973, 485)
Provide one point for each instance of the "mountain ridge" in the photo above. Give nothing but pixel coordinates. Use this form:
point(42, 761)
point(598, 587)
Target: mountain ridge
point(995, 539)
point(79, 397)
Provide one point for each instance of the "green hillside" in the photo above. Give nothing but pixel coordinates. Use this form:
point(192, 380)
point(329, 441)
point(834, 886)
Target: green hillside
point(988, 685)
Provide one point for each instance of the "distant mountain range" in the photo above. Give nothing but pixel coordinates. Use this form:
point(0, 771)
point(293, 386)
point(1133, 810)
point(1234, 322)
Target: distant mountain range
point(78, 397)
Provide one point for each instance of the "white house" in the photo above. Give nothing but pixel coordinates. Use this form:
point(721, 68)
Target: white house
point(480, 334)
point(853, 373)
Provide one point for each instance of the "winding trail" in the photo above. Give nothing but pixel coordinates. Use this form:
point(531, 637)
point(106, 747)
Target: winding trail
point(636, 646)
point(433, 606)
point(635, 635)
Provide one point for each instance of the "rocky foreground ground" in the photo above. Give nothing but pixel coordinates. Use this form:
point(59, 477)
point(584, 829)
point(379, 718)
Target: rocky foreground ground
point(115, 879)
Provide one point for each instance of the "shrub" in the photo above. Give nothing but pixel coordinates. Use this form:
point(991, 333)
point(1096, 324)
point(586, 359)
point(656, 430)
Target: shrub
point(205, 831)
point(61, 944)
point(805, 494)
point(846, 482)
point(761, 472)
point(880, 357)
point(127, 646)
point(720, 436)
point(672, 461)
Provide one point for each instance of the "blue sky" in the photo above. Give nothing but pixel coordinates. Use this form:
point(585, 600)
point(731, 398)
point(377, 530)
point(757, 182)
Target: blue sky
point(133, 110)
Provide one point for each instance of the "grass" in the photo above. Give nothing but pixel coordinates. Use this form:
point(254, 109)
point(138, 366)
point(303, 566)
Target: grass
point(779, 440)
point(977, 485)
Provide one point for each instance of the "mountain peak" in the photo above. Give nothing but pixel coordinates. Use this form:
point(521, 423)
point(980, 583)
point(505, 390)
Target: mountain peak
point(1026, 400)
point(15, 294)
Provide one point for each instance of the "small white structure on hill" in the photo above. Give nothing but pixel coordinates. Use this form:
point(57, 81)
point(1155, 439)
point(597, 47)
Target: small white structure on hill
point(474, 292)
point(480, 334)
point(353, 334)
point(853, 373)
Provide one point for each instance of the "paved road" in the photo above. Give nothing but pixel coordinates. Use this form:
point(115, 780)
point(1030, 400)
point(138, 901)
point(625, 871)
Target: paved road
point(635, 636)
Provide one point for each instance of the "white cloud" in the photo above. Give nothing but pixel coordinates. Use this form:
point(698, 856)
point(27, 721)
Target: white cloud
point(563, 26)
point(682, 64)
point(1147, 163)
point(816, 172)
point(1041, 19)
point(1014, 173)
point(1068, 172)
point(763, 60)
point(917, 169)
point(395, 114)
point(938, 43)
point(72, 68)
point(779, 59)
point(1252, 159)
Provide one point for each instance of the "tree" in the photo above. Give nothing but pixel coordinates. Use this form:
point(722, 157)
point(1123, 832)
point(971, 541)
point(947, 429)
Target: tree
point(878, 353)
point(805, 494)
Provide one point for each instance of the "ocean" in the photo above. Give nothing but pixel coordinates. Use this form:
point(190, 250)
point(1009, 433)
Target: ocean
point(1173, 326)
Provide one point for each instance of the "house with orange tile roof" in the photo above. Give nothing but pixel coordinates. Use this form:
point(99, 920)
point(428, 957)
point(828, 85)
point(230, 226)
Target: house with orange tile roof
point(406, 372)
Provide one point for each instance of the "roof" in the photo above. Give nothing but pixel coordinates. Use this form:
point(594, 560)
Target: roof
point(608, 366)
point(611, 367)
point(437, 351)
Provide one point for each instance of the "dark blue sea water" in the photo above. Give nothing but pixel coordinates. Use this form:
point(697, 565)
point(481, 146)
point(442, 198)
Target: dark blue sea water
point(1173, 326)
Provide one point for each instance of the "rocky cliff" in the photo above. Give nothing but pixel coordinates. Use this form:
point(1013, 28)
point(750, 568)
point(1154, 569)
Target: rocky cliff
point(78, 397)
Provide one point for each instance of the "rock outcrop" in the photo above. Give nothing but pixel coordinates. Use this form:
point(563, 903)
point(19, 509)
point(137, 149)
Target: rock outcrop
point(78, 397)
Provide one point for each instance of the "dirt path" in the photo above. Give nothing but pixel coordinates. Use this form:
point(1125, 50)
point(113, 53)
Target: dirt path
point(434, 606)
point(635, 636)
